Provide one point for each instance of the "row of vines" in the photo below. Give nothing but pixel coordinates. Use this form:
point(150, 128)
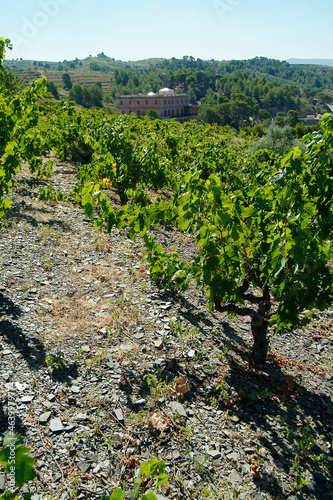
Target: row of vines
point(262, 222)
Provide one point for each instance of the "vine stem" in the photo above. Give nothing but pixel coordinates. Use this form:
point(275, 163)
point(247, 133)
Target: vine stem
point(249, 266)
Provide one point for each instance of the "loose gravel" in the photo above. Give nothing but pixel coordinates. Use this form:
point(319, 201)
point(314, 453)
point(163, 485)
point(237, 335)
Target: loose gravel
point(106, 370)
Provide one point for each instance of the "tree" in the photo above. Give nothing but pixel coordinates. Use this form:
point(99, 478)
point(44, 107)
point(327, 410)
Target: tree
point(280, 119)
point(292, 118)
point(4, 43)
point(210, 97)
point(277, 139)
point(242, 108)
point(52, 89)
point(209, 115)
point(152, 113)
point(86, 97)
point(96, 96)
point(264, 115)
point(67, 81)
point(192, 96)
point(76, 94)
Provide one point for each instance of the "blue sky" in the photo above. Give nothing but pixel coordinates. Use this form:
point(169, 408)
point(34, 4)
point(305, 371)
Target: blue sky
point(131, 30)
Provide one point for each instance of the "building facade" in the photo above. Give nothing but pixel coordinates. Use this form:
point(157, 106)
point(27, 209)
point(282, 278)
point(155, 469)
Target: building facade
point(166, 102)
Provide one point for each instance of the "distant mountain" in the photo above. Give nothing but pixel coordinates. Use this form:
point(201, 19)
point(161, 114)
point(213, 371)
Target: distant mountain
point(320, 62)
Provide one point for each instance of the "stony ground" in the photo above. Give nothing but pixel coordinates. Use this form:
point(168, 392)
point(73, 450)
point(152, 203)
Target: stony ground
point(107, 371)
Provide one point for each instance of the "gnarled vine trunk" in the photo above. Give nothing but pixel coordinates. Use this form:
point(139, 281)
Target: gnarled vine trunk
point(259, 327)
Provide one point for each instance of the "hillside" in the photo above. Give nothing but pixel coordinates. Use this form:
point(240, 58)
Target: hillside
point(313, 73)
point(85, 298)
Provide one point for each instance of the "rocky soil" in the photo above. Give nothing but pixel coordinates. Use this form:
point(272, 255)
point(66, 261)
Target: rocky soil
point(106, 371)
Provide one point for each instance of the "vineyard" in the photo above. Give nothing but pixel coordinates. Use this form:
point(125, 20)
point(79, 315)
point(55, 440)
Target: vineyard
point(231, 234)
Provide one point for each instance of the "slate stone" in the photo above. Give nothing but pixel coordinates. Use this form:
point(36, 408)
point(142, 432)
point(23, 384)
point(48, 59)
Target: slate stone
point(119, 414)
point(235, 478)
point(44, 417)
point(178, 407)
point(27, 399)
point(80, 416)
point(47, 404)
point(56, 425)
point(83, 466)
point(20, 387)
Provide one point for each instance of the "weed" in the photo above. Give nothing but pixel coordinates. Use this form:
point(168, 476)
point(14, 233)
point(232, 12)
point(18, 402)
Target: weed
point(285, 428)
point(300, 480)
point(198, 464)
point(92, 358)
point(55, 361)
point(187, 432)
point(46, 233)
point(147, 471)
point(307, 441)
point(157, 387)
point(224, 353)
point(257, 458)
point(139, 417)
point(45, 262)
point(115, 315)
point(102, 244)
point(143, 287)
point(251, 397)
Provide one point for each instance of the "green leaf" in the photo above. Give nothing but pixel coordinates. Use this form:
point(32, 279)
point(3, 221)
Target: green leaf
point(117, 494)
point(145, 468)
point(137, 486)
point(23, 463)
point(162, 478)
point(88, 204)
point(156, 466)
point(149, 496)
